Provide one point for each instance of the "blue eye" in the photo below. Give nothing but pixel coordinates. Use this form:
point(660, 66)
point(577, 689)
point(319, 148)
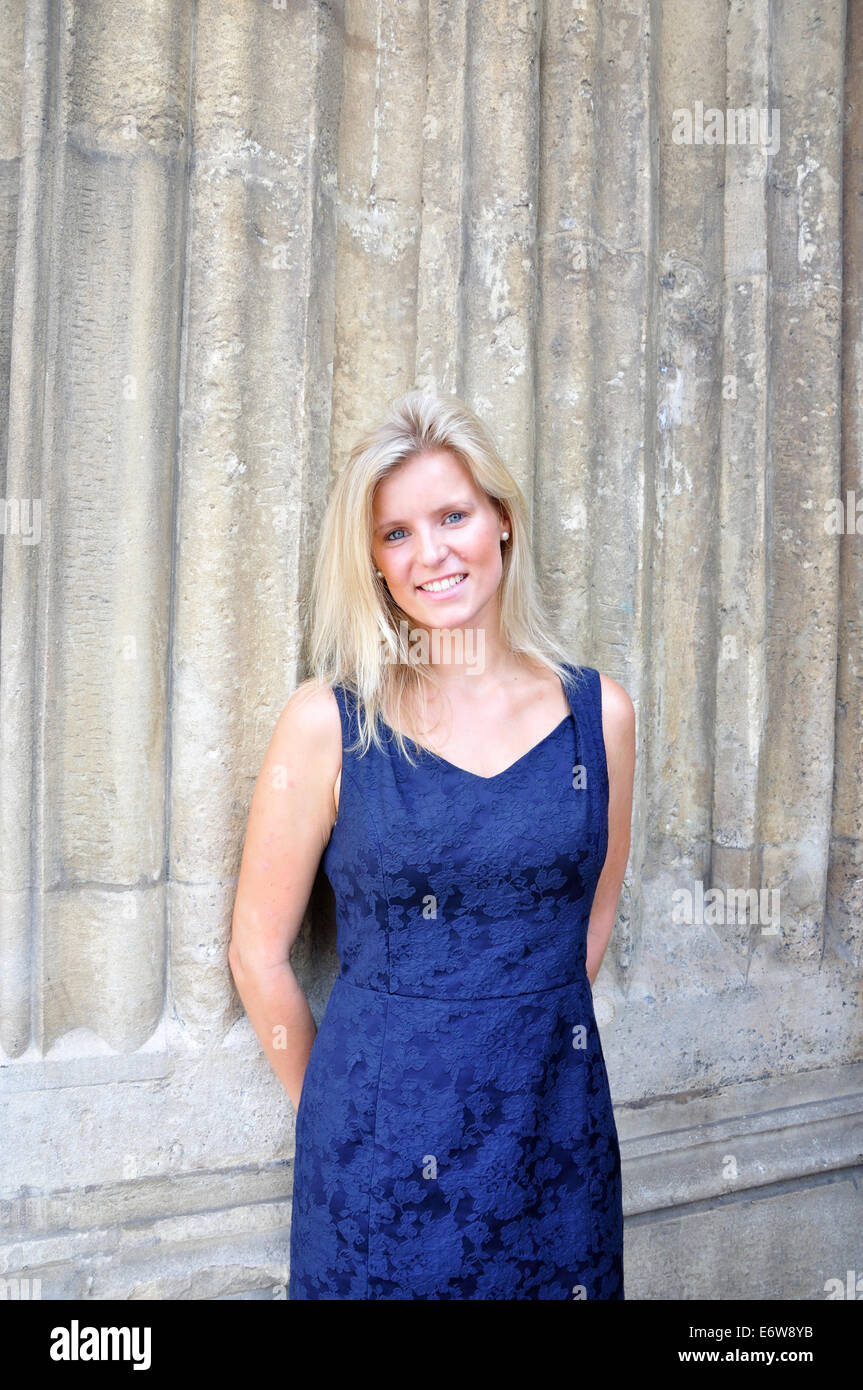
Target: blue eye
point(395, 531)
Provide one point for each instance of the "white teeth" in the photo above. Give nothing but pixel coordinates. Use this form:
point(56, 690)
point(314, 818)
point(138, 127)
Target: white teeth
point(437, 586)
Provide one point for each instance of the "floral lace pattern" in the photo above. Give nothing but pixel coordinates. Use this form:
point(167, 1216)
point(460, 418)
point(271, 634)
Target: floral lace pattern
point(455, 1135)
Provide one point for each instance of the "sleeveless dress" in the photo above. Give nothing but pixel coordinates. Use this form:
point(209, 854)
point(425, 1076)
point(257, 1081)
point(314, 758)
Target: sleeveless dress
point(455, 1137)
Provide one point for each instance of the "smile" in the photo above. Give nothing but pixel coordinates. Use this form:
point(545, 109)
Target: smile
point(443, 586)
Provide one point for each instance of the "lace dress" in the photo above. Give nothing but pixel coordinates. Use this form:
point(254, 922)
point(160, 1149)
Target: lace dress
point(455, 1136)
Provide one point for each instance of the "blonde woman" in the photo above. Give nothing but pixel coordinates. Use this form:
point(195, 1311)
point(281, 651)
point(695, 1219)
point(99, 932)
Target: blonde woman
point(469, 793)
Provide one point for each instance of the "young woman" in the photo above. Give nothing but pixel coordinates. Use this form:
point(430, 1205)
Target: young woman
point(469, 793)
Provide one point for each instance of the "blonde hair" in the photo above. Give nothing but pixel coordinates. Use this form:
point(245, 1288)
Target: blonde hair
point(355, 638)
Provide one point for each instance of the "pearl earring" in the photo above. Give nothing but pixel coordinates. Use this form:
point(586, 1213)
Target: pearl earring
point(504, 535)
point(379, 573)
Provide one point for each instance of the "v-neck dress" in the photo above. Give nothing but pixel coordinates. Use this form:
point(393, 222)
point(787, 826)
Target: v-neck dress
point(455, 1136)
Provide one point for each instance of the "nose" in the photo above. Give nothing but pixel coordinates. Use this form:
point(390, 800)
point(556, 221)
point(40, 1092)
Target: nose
point(430, 550)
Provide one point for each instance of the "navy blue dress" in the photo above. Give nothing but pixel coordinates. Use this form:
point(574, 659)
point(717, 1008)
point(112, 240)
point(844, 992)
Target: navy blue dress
point(455, 1136)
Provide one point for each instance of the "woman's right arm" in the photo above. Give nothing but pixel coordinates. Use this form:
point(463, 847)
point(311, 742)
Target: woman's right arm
point(292, 814)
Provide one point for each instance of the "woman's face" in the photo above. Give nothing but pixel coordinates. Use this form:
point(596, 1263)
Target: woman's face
point(431, 522)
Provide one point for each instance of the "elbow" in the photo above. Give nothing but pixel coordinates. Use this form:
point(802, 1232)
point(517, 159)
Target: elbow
point(235, 963)
point(251, 967)
point(243, 930)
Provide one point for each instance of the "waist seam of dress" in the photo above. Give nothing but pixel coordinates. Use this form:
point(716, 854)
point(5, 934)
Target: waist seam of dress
point(462, 998)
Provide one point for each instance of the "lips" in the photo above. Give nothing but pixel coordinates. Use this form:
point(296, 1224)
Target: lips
point(450, 588)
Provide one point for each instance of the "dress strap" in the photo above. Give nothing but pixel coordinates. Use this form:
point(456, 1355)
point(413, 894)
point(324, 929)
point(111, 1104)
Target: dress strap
point(347, 713)
point(586, 698)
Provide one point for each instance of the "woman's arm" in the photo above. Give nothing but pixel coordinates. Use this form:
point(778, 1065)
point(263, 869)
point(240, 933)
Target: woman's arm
point(291, 817)
point(618, 731)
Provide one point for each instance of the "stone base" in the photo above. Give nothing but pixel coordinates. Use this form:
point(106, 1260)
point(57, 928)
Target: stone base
point(750, 1192)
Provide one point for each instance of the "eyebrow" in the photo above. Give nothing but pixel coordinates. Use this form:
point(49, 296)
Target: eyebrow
point(460, 506)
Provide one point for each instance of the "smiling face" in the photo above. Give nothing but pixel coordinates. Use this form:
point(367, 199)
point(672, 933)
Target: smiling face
point(432, 523)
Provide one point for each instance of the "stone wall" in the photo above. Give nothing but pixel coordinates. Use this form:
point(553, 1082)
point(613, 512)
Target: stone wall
point(232, 231)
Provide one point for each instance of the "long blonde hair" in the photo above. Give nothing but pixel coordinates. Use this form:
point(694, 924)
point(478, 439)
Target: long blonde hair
point(356, 633)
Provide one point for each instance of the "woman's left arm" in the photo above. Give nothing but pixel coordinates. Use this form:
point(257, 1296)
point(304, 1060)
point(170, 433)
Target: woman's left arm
point(618, 731)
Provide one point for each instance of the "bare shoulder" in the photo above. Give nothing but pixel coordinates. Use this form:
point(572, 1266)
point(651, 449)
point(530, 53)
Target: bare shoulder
point(290, 820)
point(618, 721)
point(312, 712)
point(307, 744)
point(617, 707)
